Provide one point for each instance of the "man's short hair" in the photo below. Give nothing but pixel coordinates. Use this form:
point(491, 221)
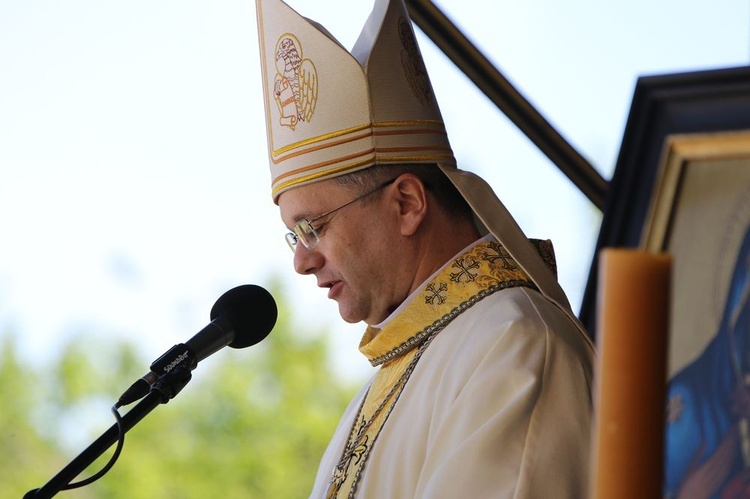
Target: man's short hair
point(445, 193)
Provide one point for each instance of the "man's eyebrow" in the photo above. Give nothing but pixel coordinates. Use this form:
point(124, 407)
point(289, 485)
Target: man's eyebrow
point(303, 215)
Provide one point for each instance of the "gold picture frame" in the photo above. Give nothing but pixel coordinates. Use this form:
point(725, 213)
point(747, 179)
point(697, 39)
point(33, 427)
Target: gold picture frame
point(699, 212)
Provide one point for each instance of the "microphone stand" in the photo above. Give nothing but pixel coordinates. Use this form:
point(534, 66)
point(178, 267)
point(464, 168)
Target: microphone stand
point(164, 389)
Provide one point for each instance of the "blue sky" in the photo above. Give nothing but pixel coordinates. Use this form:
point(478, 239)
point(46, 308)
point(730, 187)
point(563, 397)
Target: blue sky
point(134, 187)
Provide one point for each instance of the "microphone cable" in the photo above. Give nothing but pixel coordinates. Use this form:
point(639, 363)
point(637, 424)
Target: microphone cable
point(112, 460)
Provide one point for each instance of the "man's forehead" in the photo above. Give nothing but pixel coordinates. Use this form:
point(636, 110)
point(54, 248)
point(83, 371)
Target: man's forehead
point(306, 200)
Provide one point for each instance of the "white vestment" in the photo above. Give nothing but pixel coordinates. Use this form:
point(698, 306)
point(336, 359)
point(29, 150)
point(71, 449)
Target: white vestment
point(498, 405)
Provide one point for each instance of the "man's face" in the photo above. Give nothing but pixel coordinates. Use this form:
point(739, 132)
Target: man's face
point(356, 258)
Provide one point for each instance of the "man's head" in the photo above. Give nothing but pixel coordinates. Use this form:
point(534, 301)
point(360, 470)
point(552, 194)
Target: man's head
point(382, 232)
point(331, 113)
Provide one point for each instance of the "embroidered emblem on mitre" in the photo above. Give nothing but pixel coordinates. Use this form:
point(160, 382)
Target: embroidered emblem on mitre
point(295, 86)
point(330, 112)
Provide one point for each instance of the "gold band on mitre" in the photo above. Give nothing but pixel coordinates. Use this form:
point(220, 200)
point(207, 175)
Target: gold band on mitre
point(330, 112)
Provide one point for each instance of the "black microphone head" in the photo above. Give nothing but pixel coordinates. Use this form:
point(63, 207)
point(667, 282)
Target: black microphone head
point(250, 309)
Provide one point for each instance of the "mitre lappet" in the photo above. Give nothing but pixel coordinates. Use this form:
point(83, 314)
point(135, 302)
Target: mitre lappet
point(330, 112)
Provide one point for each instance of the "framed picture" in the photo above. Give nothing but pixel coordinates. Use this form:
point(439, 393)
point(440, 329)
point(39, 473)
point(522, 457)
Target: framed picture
point(664, 105)
point(700, 214)
point(682, 186)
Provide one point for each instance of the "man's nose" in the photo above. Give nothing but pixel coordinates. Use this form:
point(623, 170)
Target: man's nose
point(306, 261)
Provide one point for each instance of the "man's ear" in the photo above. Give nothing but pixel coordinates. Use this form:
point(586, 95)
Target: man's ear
point(411, 195)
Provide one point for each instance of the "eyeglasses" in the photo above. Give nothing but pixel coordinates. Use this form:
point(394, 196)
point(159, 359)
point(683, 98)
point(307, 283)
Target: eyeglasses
point(304, 231)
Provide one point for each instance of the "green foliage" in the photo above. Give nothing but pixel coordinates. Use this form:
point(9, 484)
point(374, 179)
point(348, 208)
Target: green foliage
point(251, 423)
point(21, 446)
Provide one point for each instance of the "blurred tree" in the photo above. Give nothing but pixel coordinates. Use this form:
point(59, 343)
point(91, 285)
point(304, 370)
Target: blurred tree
point(252, 423)
point(22, 447)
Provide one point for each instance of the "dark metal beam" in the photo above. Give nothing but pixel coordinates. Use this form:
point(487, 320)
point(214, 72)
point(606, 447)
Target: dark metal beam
point(501, 92)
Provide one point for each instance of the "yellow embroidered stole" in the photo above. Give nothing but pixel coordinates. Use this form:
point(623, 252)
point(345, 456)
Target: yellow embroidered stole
point(477, 273)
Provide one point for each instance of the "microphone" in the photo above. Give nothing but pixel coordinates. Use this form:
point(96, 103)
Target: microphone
point(241, 317)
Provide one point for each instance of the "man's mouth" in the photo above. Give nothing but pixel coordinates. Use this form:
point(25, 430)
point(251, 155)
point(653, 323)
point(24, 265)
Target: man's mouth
point(333, 288)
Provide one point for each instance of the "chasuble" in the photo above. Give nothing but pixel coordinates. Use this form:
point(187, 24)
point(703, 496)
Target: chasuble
point(483, 390)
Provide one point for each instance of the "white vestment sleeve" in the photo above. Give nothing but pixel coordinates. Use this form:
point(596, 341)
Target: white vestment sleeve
point(519, 423)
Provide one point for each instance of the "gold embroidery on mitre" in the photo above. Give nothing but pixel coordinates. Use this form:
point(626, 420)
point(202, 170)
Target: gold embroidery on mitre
point(295, 87)
point(414, 68)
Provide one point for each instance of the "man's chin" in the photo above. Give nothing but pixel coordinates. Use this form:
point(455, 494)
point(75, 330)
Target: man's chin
point(348, 315)
point(348, 318)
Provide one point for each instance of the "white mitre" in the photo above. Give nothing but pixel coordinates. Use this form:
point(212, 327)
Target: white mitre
point(330, 112)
